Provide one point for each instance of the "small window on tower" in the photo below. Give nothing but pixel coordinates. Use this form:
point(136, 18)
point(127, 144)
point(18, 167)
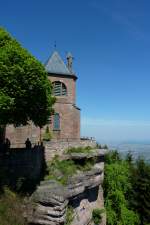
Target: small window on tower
point(56, 125)
point(59, 89)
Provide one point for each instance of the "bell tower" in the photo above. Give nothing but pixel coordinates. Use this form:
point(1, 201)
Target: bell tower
point(65, 123)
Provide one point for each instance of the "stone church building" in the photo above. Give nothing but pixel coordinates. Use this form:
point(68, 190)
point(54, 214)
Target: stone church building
point(65, 123)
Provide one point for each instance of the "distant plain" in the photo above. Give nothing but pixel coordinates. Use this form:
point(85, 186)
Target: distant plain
point(137, 149)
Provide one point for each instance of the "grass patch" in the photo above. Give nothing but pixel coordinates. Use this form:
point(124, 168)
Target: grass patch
point(11, 209)
point(69, 215)
point(87, 164)
point(62, 170)
point(79, 150)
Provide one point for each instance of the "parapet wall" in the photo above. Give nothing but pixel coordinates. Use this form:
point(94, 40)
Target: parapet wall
point(53, 148)
point(23, 163)
point(28, 163)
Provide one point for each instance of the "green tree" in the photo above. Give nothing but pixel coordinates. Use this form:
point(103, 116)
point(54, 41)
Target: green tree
point(116, 187)
point(97, 215)
point(140, 198)
point(47, 135)
point(25, 91)
point(112, 157)
point(129, 158)
point(105, 147)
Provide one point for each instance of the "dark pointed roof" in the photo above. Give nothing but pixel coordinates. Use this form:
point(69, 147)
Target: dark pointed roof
point(55, 65)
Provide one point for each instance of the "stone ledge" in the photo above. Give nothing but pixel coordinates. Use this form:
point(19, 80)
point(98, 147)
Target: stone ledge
point(87, 155)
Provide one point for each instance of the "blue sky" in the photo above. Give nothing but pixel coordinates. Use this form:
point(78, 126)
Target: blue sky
point(110, 41)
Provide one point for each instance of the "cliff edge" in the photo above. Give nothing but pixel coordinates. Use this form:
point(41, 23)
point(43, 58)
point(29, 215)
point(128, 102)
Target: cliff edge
point(72, 201)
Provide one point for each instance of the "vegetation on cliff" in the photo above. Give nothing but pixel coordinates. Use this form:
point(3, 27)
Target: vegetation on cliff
point(140, 194)
point(97, 215)
point(69, 215)
point(61, 170)
point(126, 190)
point(79, 150)
point(11, 209)
point(25, 91)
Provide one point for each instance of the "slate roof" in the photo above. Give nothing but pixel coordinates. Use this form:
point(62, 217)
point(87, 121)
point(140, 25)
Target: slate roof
point(55, 65)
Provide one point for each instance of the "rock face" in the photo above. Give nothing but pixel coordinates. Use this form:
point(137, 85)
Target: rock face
point(83, 192)
point(47, 205)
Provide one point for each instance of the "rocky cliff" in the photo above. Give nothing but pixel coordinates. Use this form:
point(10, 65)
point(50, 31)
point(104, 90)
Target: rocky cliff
point(51, 202)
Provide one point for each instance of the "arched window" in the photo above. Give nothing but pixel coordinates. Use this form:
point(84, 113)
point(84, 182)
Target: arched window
point(59, 89)
point(56, 124)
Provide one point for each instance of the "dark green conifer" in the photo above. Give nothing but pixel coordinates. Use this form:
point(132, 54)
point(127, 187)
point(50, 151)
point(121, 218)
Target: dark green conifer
point(141, 190)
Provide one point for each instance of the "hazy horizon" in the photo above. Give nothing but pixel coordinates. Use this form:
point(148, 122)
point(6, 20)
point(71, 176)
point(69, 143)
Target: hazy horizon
point(113, 131)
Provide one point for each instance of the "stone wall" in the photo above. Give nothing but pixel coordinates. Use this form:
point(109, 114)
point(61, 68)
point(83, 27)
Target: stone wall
point(69, 121)
point(69, 127)
point(23, 163)
point(53, 148)
point(18, 135)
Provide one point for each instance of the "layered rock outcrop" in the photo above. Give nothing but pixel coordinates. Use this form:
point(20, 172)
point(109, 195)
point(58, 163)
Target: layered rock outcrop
point(83, 192)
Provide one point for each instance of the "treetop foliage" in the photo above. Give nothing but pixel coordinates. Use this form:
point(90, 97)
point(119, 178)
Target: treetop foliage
point(25, 91)
point(126, 190)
